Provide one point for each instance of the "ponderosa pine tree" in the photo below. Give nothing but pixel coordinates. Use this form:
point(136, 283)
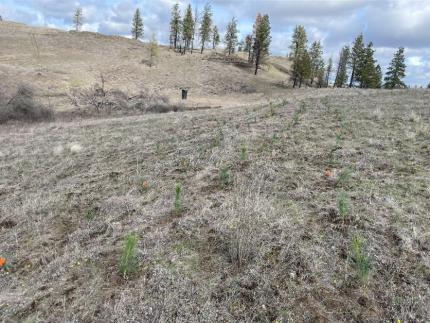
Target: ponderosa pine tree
point(262, 41)
point(378, 80)
point(187, 28)
point(248, 46)
point(195, 28)
point(175, 26)
point(215, 37)
point(298, 49)
point(317, 62)
point(78, 19)
point(206, 26)
point(304, 69)
point(342, 67)
point(230, 38)
point(137, 25)
point(356, 58)
point(328, 71)
point(396, 71)
point(368, 76)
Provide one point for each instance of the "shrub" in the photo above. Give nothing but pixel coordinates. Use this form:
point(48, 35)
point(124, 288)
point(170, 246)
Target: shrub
point(360, 258)
point(23, 107)
point(129, 262)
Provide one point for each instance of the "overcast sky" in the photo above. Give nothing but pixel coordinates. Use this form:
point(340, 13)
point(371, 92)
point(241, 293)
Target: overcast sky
point(388, 23)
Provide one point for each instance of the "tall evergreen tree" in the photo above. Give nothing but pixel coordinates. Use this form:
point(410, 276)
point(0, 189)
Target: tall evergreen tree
point(230, 38)
point(137, 25)
point(317, 62)
point(356, 57)
point(378, 80)
point(368, 76)
point(175, 26)
point(328, 71)
point(248, 46)
point(215, 37)
point(78, 19)
point(195, 28)
point(396, 71)
point(298, 49)
point(206, 26)
point(342, 67)
point(262, 41)
point(187, 28)
point(304, 69)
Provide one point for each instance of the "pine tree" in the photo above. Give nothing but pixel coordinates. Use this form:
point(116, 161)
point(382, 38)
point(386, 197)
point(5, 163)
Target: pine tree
point(304, 69)
point(78, 18)
point(378, 80)
point(137, 25)
point(187, 28)
point(175, 26)
point(215, 37)
point(368, 76)
point(298, 48)
point(342, 68)
point(396, 71)
point(262, 41)
point(248, 46)
point(328, 71)
point(356, 58)
point(230, 38)
point(258, 20)
point(206, 26)
point(153, 51)
point(317, 62)
point(195, 28)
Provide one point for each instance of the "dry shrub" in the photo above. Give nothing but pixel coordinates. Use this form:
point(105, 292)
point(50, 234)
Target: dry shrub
point(23, 107)
point(100, 101)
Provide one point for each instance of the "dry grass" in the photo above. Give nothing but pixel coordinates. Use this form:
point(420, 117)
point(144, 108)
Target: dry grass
point(270, 246)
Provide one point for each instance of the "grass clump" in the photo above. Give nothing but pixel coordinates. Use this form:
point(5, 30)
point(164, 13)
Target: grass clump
point(343, 205)
point(129, 262)
point(177, 205)
point(360, 258)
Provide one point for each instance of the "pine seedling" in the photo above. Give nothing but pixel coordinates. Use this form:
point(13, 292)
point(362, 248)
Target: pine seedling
point(177, 205)
point(129, 262)
point(343, 205)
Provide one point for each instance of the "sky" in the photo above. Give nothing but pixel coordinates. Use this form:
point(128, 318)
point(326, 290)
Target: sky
point(389, 24)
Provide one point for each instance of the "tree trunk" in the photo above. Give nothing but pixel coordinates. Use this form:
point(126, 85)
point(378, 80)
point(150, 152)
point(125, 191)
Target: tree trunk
point(257, 62)
point(352, 76)
point(203, 46)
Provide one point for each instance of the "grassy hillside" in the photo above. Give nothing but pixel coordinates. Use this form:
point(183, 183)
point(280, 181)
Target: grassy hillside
point(59, 63)
point(314, 208)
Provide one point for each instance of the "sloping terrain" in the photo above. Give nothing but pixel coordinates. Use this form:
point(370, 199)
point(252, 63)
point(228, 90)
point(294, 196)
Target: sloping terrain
point(313, 208)
point(57, 63)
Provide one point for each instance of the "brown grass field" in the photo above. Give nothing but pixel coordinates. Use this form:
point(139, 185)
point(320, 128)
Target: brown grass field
point(305, 205)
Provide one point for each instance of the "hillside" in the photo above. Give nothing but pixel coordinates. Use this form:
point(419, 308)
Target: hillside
point(258, 234)
point(56, 63)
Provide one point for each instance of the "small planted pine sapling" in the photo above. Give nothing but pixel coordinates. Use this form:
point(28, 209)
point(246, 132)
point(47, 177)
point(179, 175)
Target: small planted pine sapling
point(129, 263)
point(360, 258)
point(224, 176)
point(343, 205)
point(177, 205)
point(244, 153)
